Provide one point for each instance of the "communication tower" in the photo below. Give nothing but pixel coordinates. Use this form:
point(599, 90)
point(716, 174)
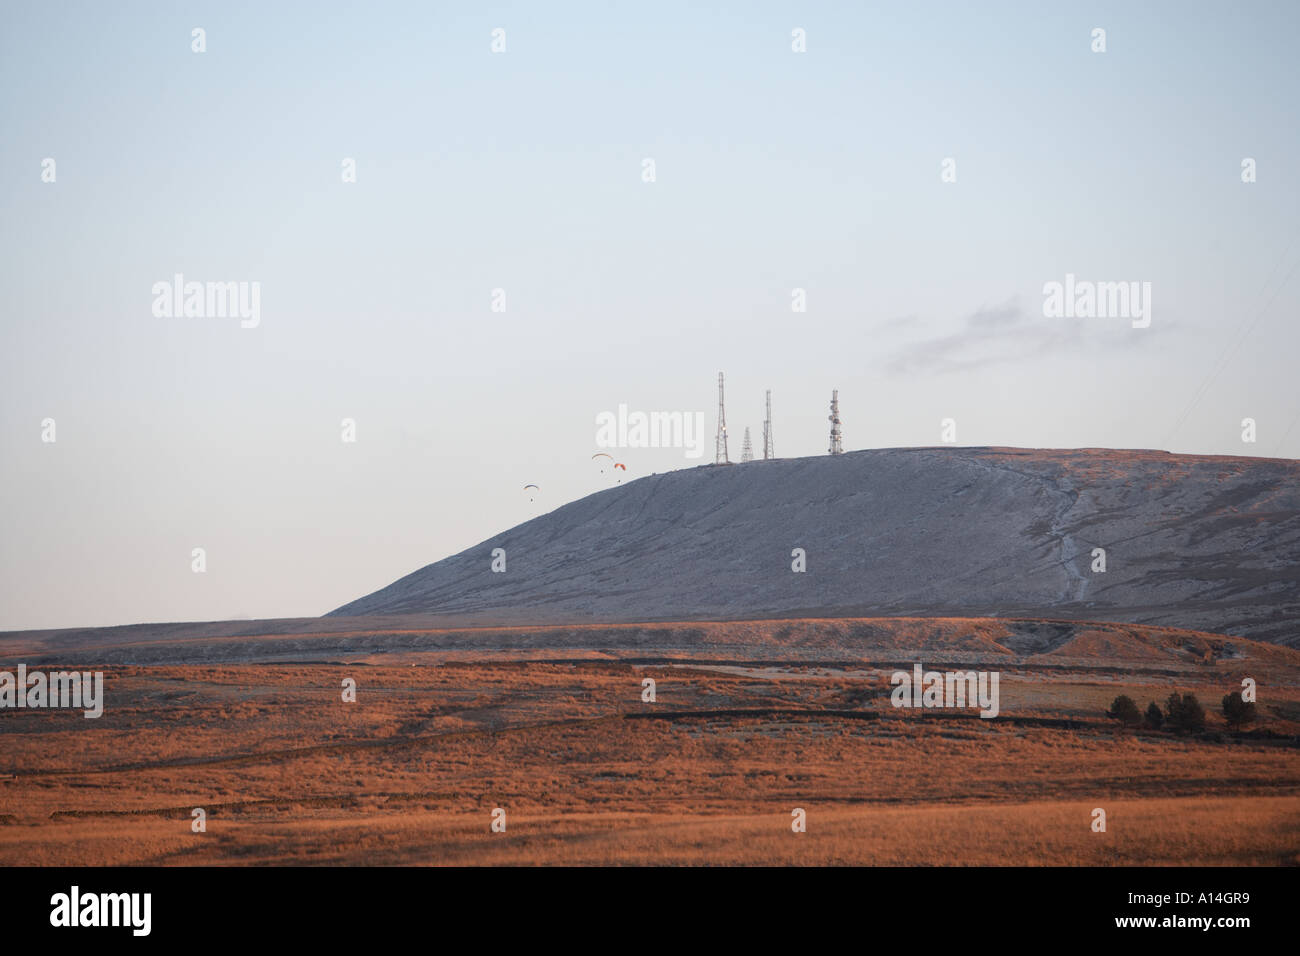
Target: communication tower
point(837, 447)
point(768, 450)
point(721, 457)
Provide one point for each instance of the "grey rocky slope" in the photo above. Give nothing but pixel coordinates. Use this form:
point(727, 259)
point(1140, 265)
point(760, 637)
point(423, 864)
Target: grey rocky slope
point(1203, 542)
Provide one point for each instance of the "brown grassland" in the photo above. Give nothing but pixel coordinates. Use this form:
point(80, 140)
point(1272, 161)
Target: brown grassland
point(708, 774)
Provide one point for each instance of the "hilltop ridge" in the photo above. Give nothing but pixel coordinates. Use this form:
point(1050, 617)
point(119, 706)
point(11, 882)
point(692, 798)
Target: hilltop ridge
point(1191, 541)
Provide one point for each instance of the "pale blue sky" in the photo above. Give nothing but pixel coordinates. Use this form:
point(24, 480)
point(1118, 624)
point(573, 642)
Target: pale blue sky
point(522, 171)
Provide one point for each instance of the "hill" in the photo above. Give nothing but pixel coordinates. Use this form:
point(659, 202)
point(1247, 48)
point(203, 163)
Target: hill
point(1206, 543)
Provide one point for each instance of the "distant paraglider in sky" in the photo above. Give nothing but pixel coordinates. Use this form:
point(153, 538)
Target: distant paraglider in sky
point(533, 493)
point(601, 454)
point(618, 465)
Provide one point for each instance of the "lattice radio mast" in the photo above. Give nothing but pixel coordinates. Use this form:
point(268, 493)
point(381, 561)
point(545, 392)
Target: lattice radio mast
point(721, 458)
point(837, 448)
point(768, 450)
point(747, 449)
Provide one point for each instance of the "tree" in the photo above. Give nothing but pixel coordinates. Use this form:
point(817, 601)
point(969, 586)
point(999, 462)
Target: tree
point(1193, 714)
point(1174, 711)
point(1237, 712)
point(1125, 711)
point(1155, 717)
point(1184, 713)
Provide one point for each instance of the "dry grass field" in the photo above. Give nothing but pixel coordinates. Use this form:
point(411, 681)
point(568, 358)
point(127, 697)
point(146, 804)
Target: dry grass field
point(709, 773)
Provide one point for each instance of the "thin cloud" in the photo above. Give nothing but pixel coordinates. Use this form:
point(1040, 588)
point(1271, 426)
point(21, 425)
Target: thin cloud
point(999, 335)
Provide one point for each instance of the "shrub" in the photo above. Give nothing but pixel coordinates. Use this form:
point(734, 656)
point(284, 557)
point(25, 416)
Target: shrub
point(1155, 716)
point(1125, 711)
point(1237, 712)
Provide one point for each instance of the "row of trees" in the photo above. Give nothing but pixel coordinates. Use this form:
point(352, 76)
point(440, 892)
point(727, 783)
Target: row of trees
point(1183, 713)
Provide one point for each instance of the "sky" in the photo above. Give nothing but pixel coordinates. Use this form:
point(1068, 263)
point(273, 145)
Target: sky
point(919, 171)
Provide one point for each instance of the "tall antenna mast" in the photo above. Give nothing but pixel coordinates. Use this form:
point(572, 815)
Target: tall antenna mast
point(837, 448)
point(721, 457)
point(747, 450)
point(768, 450)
